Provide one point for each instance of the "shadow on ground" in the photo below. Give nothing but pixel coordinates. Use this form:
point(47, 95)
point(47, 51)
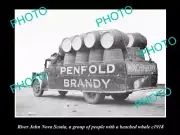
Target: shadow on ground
point(81, 99)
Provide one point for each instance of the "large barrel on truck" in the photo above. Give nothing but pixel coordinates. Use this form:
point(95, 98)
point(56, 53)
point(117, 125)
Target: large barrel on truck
point(66, 45)
point(78, 43)
point(137, 40)
point(112, 39)
point(92, 39)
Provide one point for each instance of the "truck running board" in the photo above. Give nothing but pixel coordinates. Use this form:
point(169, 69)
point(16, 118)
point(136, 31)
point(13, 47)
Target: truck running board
point(158, 87)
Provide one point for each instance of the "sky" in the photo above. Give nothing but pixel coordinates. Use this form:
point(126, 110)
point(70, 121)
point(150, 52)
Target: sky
point(36, 40)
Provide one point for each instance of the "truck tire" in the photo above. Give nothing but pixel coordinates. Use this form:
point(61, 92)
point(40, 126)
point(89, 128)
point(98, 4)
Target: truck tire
point(37, 91)
point(93, 98)
point(119, 97)
point(62, 93)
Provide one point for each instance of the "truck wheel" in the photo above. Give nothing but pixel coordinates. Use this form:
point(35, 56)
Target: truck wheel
point(119, 97)
point(62, 93)
point(93, 98)
point(37, 91)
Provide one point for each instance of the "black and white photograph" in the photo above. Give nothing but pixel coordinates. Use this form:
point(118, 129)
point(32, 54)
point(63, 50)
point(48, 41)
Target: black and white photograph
point(90, 63)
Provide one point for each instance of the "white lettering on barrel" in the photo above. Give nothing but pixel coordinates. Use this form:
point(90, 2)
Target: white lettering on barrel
point(140, 68)
point(69, 70)
point(90, 69)
point(83, 68)
point(94, 84)
point(73, 82)
point(149, 68)
point(105, 83)
point(137, 68)
point(77, 70)
point(80, 83)
point(66, 83)
point(133, 67)
point(143, 67)
point(100, 71)
point(63, 69)
point(108, 67)
point(88, 83)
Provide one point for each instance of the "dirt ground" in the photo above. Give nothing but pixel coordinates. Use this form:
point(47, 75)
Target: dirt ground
point(52, 104)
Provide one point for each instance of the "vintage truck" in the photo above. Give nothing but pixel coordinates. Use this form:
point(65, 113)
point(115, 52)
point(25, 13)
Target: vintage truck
point(98, 79)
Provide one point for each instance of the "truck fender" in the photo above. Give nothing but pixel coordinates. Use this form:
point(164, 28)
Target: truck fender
point(43, 84)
